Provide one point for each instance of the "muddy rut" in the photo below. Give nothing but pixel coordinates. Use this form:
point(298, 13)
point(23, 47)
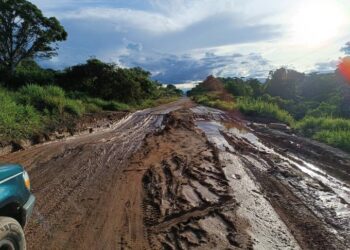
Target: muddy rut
point(182, 176)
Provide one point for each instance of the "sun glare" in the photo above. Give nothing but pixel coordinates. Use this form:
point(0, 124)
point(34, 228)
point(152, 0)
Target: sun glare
point(344, 68)
point(317, 22)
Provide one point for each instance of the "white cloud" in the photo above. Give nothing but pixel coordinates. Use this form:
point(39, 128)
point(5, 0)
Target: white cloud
point(187, 85)
point(183, 68)
point(126, 18)
point(181, 40)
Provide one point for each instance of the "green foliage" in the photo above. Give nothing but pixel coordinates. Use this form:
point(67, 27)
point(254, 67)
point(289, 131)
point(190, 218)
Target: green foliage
point(109, 82)
point(29, 72)
point(171, 90)
point(17, 121)
point(333, 131)
point(248, 106)
point(149, 103)
point(339, 139)
point(213, 100)
point(316, 105)
point(34, 108)
point(26, 33)
point(97, 104)
point(311, 125)
point(243, 87)
point(324, 110)
point(49, 99)
point(284, 83)
point(256, 107)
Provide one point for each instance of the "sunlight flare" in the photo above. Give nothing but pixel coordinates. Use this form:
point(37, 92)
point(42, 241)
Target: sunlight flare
point(316, 23)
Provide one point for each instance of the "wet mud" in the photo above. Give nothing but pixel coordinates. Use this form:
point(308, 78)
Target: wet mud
point(182, 176)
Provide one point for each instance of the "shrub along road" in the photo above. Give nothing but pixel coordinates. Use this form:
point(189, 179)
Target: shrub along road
point(182, 176)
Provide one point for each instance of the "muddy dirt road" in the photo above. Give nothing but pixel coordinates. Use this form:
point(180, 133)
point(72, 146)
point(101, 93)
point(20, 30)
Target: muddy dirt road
point(182, 176)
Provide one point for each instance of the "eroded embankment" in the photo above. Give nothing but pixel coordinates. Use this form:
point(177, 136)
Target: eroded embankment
point(68, 128)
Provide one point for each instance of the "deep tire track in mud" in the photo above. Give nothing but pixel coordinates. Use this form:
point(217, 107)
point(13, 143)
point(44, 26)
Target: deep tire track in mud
point(312, 204)
point(309, 231)
point(187, 202)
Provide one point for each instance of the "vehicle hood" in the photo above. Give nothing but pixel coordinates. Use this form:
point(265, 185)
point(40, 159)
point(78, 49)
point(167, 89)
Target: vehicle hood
point(8, 170)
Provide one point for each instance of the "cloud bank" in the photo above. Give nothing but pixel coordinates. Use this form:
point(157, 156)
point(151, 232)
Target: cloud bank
point(185, 40)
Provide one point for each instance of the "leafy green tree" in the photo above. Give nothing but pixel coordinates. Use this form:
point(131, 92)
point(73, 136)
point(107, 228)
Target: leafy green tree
point(284, 83)
point(172, 90)
point(108, 81)
point(237, 86)
point(319, 87)
point(26, 33)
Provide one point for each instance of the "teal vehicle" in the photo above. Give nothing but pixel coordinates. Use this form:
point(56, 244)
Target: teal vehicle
point(16, 206)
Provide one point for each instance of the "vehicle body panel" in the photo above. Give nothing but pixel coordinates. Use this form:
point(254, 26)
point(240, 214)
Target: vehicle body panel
point(14, 192)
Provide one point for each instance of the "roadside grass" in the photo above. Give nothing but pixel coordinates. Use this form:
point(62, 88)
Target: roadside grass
point(35, 109)
point(212, 100)
point(257, 107)
point(339, 139)
point(149, 103)
point(311, 125)
point(93, 105)
point(332, 131)
point(17, 121)
point(49, 100)
point(248, 106)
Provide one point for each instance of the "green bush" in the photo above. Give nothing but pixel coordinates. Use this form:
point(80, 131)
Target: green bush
point(97, 104)
point(333, 131)
point(74, 107)
point(339, 139)
point(258, 107)
point(50, 98)
point(17, 121)
point(248, 106)
point(311, 125)
point(43, 98)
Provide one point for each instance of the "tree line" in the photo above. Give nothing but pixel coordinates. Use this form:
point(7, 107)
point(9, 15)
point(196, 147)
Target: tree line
point(26, 34)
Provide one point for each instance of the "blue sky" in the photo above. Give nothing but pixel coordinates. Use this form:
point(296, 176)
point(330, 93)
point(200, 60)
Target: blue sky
point(186, 40)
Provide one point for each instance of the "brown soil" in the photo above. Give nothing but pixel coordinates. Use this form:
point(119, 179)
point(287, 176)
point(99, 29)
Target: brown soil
point(187, 200)
point(177, 177)
point(82, 188)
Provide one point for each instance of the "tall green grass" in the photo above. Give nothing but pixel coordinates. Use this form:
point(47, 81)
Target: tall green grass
point(339, 139)
point(311, 125)
point(16, 120)
point(97, 104)
point(247, 106)
point(50, 99)
point(333, 131)
point(34, 109)
point(212, 100)
point(256, 107)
